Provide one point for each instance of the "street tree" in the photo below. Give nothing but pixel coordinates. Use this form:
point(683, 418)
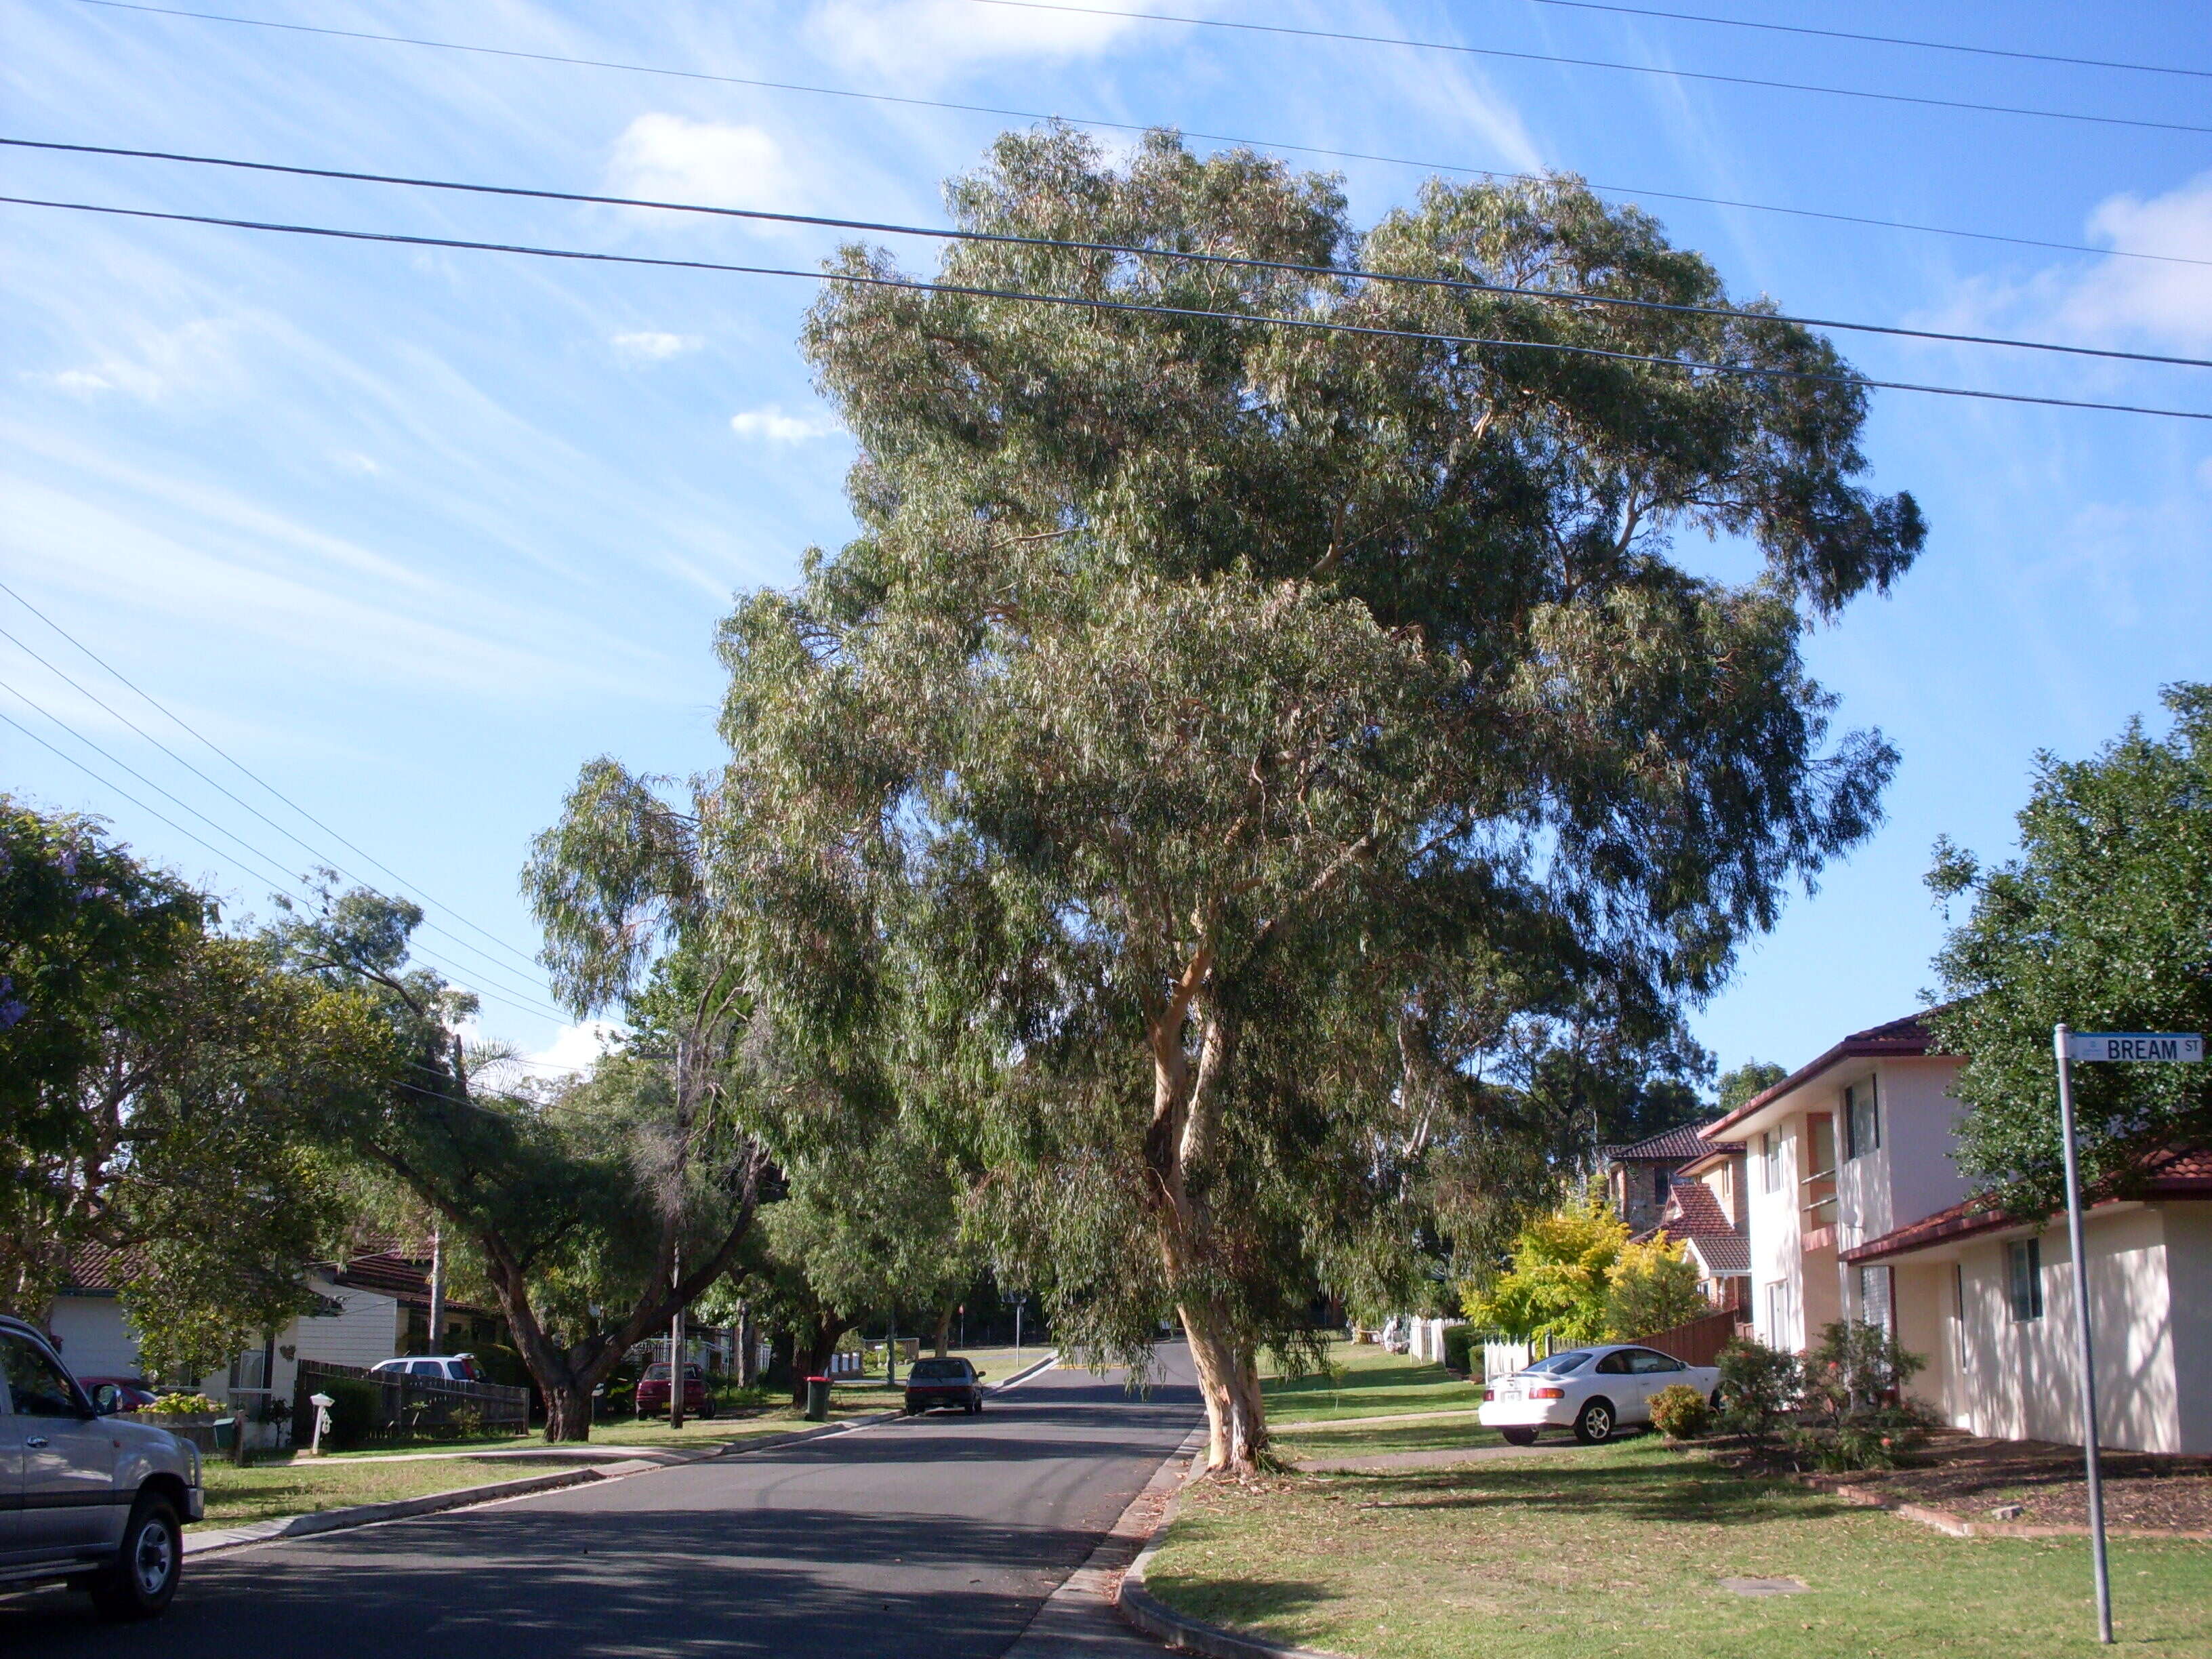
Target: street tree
point(2103, 921)
point(1748, 1080)
point(593, 1213)
point(1199, 694)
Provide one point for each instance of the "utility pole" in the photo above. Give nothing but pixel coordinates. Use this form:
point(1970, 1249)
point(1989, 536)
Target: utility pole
point(437, 1292)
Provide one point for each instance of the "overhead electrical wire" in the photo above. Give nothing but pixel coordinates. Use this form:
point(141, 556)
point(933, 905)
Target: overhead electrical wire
point(1347, 36)
point(1872, 39)
point(209, 744)
point(1105, 124)
point(304, 846)
point(162, 817)
point(1315, 325)
point(1555, 296)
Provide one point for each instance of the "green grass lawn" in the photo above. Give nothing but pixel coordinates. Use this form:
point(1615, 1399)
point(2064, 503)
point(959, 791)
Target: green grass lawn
point(1363, 1381)
point(265, 1491)
point(1619, 1551)
point(1376, 1440)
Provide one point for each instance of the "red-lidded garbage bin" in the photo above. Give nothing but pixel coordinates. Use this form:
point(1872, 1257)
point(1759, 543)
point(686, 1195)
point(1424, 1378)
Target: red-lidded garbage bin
point(818, 1399)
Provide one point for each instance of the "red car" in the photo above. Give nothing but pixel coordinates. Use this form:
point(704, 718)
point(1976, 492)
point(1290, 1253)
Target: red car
point(125, 1393)
point(653, 1393)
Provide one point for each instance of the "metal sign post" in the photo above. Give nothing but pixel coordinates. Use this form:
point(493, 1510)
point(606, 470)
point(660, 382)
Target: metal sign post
point(2099, 1047)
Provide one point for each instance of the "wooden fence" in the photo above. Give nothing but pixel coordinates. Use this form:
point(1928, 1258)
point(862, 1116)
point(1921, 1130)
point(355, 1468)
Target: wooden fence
point(405, 1408)
point(1698, 1342)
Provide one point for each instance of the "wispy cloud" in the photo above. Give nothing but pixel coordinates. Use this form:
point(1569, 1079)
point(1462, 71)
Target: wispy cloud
point(935, 38)
point(769, 424)
point(655, 347)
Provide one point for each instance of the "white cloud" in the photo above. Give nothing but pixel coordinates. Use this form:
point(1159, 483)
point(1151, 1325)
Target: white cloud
point(156, 363)
point(931, 38)
point(770, 423)
point(354, 461)
point(574, 1047)
point(655, 346)
point(667, 158)
point(2146, 302)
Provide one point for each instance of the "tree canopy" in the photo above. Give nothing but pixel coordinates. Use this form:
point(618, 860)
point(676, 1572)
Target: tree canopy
point(2104, 921)
point(1209, 717)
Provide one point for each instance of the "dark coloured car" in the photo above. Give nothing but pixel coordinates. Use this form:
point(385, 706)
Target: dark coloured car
point(653, 1393)
point(934, 1383)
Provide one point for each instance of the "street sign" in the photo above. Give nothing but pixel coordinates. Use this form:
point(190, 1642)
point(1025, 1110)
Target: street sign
point(2187, 1046)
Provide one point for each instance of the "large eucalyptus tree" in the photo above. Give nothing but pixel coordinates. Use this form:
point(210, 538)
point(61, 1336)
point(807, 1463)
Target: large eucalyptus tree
point(1216, 727)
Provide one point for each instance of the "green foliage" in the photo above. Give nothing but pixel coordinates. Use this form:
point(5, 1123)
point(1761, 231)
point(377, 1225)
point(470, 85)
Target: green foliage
point(1752, 1078)
point(183, 1405)
point(1680, 1412)
point(354, 1408)
point(1856, 1367)
point(1561, 1274)
point(1459, 1348)
point(1757, 1384)
point(1219, 739)
point(2104, 921)
point(1653, 1287)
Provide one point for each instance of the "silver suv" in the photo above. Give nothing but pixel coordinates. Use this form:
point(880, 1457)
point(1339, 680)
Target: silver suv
point(94, 1499)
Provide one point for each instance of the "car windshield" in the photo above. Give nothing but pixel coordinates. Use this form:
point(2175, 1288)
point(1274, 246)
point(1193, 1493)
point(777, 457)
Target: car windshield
point(1560, 1363)
point(939, 1371)
point(656, 1373)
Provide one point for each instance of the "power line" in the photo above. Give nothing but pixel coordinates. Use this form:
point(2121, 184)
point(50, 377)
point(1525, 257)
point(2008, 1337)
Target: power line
point(1740, 370)
point(1104, 125)
point(1874, 39)
point(1342, 35)
point(306, 847)
point(269, 864)
point(179, 722)
point(1556, 296)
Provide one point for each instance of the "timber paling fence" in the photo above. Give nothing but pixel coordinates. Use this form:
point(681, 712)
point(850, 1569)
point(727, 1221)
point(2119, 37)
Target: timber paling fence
point(404, 1407)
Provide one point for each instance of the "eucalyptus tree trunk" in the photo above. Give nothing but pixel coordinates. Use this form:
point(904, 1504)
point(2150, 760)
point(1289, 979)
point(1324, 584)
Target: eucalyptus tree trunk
point(1183, 1137)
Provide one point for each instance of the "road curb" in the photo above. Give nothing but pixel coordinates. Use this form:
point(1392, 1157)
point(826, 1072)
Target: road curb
point(401, 1509)
point(1027, 1372)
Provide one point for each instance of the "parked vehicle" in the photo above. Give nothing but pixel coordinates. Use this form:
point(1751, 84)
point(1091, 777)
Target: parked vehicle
point(931, 1384)
point(447, 1368)
point(101, 1500)
point(652, 1392)
point(117, 1393)
point(1593, 1391)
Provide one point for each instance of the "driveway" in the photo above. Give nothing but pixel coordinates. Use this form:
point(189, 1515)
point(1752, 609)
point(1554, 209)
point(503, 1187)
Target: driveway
point(918, 1539)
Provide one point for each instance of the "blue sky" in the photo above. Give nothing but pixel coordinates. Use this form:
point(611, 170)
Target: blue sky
point(413, 533)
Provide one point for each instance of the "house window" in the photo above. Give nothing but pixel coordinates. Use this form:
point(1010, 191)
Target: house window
point(1873, 1297)
point(1660, 1177)
point(1861, 1120)
point(1780, 1311)
point(1958, 1292)
point(2024, 1275)
point(1770, 1162)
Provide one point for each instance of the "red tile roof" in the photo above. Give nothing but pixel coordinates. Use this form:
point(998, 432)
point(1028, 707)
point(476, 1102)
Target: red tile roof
point(1673, 1145)
point(1897, 1039)
point(2166, 1174)
point(100, 1268)
point(1695, 1216)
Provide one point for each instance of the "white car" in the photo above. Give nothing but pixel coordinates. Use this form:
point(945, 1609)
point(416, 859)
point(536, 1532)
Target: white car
point(1593, 1391)
point(445, 1367)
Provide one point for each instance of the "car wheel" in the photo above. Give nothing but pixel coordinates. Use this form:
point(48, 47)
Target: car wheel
point(1714, 1400)
point(706, 1412)
point(1594, 1426)
point(1519, 1437)
point(143, 1579)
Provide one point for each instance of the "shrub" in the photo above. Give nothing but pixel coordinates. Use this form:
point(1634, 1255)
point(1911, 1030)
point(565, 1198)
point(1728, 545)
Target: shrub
point(1866, 1442)
point(1681, 1412)
point(1857, 1369)
point(1459, 1348)
point(184, 1405)
point(353, 1411)
point(1757, 1384)
point(1653, 1288)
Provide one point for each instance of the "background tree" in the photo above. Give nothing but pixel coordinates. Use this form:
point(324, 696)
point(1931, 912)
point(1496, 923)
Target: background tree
point(2104, 921)
point(1752, 1078)
point(162, 1082)
point(1560, 1276)
point(576, 1209)
point(1653, 1287)
point(1199, 694)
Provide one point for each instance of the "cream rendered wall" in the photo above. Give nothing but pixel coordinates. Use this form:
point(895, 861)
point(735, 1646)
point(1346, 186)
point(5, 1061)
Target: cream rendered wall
point(1772, 1224)
point(1921, 1295)
point(2020, 1380)
point(2189, 1262)
point(1910, 1175)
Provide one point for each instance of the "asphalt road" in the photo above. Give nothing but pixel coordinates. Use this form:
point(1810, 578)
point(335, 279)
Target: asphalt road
point(926, 1538)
